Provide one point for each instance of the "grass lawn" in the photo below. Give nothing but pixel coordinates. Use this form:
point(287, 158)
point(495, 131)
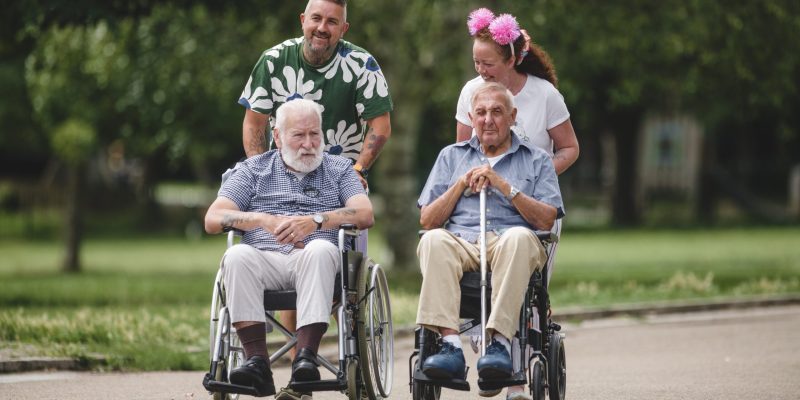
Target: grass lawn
point(142, 304)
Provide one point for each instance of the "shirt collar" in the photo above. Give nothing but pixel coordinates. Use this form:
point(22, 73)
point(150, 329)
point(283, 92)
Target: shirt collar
point(476, 145)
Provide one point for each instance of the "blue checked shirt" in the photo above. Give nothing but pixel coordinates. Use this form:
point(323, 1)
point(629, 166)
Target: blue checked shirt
point(524, 166)
point(263, 184)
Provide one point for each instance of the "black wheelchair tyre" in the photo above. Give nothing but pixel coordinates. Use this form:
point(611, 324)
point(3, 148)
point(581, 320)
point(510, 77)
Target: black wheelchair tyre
point(537, 380)
point(355, 387)
point(557, 367)
point(423, 391)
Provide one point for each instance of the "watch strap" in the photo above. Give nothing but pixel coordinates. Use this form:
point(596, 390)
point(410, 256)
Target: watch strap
point(513, 192)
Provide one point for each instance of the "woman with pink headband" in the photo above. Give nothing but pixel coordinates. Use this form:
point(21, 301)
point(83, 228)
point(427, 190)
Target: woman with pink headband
point(503, 53)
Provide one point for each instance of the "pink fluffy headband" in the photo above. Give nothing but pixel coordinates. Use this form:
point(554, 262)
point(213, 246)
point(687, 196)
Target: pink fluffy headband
point(504, 28)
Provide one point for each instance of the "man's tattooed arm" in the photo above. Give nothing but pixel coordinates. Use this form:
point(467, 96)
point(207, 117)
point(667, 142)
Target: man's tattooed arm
point(346, 211)
point(377, 135)
point(235, 220)
point(254, 129)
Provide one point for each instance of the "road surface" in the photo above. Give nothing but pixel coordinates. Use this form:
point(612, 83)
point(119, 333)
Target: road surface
point(743, 354)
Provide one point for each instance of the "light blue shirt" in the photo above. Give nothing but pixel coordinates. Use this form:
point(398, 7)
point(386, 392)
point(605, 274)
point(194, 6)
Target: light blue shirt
point(526, 167)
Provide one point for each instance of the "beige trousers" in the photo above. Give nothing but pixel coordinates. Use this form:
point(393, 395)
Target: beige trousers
point(311, 272)
point(443, 258)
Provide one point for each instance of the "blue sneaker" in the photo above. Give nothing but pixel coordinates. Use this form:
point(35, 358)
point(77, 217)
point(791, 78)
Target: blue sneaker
point(496, 363)
point(448, 363)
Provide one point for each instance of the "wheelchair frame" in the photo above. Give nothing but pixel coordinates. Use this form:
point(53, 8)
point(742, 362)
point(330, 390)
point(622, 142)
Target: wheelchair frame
point(365, 331)
point(538, 355)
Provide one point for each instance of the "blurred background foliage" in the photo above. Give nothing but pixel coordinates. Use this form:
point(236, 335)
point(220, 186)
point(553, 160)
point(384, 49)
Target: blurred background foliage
point(128, 108)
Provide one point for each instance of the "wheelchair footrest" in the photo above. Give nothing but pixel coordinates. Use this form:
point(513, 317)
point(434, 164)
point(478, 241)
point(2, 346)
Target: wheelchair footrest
point(225, 387)
point(515, 380)
point(455, 384)
point(318, 386)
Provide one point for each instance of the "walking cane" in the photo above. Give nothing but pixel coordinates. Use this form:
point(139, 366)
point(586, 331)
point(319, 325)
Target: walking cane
point(484, 283)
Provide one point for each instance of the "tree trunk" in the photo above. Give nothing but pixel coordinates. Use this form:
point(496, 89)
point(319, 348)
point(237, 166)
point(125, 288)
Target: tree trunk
point(706, 203)
point(400, 220)
point(73, 219)
point(625, 207)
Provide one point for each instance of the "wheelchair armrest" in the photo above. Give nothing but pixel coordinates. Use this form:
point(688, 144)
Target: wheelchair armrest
point(547, 236)
point(232, 233)
point(350, 230)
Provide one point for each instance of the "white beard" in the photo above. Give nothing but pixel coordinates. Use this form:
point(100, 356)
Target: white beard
point(300, 163)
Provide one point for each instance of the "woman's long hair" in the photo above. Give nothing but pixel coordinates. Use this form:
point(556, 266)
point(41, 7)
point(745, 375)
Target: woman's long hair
point(537, 62)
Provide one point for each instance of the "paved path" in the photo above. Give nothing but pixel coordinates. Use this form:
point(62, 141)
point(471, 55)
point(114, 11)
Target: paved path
point(752, 354)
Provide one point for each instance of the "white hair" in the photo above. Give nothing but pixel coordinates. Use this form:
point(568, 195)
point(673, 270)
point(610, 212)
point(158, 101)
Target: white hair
point(298, 106)
point(493, 87)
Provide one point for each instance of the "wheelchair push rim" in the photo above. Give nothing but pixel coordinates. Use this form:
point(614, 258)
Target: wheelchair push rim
point(375, 331)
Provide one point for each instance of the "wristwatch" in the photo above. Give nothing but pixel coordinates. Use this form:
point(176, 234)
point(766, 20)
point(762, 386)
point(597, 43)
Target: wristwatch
point(513, 192)
point(361, 170)
point(319, 219)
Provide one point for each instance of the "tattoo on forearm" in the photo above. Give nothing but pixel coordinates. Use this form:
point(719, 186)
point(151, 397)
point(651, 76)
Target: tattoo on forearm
point(375, 142)
point(230, 220)
point(347, 211)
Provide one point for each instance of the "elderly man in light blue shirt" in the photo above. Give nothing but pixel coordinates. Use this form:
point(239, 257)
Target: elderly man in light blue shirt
point(522, 196)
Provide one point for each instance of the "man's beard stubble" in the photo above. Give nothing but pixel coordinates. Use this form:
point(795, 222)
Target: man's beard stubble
point(317, 56)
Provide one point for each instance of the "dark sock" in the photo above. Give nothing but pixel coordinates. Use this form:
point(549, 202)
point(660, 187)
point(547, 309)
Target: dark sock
point(254, 340)
point(309, 336)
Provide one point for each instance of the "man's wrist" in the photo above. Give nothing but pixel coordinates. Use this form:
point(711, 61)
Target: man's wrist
point(512, 192)
point(362, 170)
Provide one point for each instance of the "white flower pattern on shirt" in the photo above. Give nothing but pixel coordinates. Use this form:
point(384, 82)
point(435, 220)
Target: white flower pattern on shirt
point(295, 88)
point(347, 59)
point(374, 79)
point(344, 141)
point(258, 98)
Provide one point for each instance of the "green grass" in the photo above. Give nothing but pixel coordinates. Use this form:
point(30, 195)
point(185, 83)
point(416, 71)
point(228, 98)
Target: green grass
point(142, 304)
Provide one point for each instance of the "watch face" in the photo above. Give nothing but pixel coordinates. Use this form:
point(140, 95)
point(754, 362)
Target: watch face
point(319, 219)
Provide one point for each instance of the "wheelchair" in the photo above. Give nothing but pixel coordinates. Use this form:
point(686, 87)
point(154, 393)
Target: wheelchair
point(537, 350)
point(365, 333)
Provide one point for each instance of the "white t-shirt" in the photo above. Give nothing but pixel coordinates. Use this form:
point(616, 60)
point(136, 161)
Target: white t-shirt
point(539, 107)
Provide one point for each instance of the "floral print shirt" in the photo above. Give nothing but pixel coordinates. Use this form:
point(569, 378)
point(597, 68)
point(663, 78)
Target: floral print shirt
point(350, 87)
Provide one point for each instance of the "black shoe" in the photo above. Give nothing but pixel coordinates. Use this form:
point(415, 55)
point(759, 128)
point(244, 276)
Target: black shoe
point(255, 373)
point(304, 367)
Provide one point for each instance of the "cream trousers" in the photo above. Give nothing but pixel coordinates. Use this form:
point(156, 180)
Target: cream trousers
point(443, 258)
point(248, 271)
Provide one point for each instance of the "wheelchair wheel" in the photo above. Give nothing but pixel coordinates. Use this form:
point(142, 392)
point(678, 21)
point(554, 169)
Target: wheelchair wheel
point(231, 354)
point(375, 335)
point(355, 387)
point(423, 391)
point(537, 379)
point(557, 367)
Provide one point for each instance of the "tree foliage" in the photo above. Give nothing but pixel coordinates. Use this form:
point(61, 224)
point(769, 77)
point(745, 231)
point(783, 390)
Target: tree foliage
point(162, 78)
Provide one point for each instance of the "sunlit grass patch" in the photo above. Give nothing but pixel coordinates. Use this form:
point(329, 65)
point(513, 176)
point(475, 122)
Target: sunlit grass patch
point(138, 338)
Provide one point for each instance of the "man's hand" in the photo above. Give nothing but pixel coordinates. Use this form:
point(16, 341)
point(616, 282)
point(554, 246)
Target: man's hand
point(363, 182)
point(294, 229)
point(484, 176)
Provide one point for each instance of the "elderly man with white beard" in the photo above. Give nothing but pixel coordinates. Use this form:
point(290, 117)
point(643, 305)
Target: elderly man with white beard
point(289, 203)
